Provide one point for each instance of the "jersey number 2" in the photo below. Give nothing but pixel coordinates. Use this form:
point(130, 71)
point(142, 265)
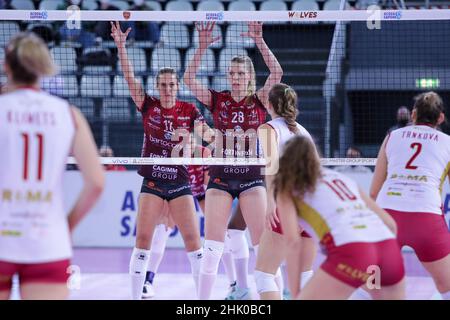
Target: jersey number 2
point(418, 147)
point(26, 147)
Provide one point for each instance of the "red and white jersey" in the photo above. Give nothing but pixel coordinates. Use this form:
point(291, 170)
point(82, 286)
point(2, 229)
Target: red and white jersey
point(418, 163)
point(338, 214)
point(242, 120)
point(284, 134)
point(197, 180)
point(36, 134)
point(159, 126)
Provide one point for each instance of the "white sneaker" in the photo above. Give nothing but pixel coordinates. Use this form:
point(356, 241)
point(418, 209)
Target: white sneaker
point(148, 291)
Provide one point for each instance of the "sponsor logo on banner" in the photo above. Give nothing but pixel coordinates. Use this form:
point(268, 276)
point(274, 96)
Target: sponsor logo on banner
point(214, 16)
point(392, 15)
point(126, 15)
point(302, 14)
point(38, 15)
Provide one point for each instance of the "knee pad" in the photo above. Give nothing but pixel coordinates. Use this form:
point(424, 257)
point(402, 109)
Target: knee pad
point(138, 261)
point(238, 244)
point(265, 282)
point(212, 252)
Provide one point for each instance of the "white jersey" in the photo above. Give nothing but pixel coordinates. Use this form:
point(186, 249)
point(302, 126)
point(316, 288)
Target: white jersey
point(336, 209)
point(36, 134)
point(418, 162)
point(283, 132)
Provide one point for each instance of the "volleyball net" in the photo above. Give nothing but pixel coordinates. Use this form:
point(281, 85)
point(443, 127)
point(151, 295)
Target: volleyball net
point(352, 69)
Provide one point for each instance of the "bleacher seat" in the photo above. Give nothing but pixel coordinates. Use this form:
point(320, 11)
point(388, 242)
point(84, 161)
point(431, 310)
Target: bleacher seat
point(69, 86)
point(7, 31)
point(175, 35)
point(122, 5)
point(120, 87)
point(23, 4)
point(184, 90)
point(233, 36)
point(334, 5)
point(95, 86)
point(151, 87)
point(210, 5)
point(154, 5)
point(65, 58)
point(273, 5)
point(51, 4)
point(138, 60)
point(241, 5)
point(96, 60)
point(220, 83)
point(208, 62)
point(116, 109)
point(180, 5)
point(364, 4)
point(165, 57)
point(226, 55)
point(216, 32)
point(86, 106)
point(90, 5)
point(305, 5)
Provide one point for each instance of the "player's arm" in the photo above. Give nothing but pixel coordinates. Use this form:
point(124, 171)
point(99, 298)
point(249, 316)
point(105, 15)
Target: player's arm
point(268, 139)
point(85, 153)
point(380, 174)
point(276, 72)
point(387, 219)
point(288, 219)
point(134, 85)
point(205, 38)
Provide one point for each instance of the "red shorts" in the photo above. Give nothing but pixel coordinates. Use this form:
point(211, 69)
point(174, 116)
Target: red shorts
point(426, 233)
point(279, 230)
point(349, 263)
point(51, 272)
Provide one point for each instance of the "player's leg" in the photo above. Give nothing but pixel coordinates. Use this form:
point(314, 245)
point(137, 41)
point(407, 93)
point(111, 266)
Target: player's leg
point(323, 286)
point(217, 213)
point(149, 210)
point(182, 211)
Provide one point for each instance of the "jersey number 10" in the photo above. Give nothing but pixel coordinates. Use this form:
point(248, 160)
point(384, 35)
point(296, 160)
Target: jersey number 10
point(26, 147)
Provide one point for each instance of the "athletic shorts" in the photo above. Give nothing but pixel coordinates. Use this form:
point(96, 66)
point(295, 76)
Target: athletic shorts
point(349, 263)
point(279, 230)
point(166, 191)
point(234, 187)
point(51, 272)
point(426, 233)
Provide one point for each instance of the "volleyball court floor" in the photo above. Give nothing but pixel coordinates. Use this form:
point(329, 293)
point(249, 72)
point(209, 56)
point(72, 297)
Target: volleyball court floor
point(104, 276)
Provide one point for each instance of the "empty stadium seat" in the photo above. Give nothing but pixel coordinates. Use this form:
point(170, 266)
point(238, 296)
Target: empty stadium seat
point(165, 57)
point(117, 109)
point(241, 5)
point(210, 5)
point(51, 4)
point(208, 63)
point(86, 106)
point(69, 86)
point(138, 60)
point(122, 5)
point(184, 90)
point(7, 31)
point(220, 83)
point(273, 5)
point(180, 5)
point(226, 55)
point(65, 58)
point(175, 35)
point(120, 87)
point(233, 36)
point(154, 5)
point(23, 4)
point(305, 5)
point(95, 86)
point(334, 5)
point(96, 60)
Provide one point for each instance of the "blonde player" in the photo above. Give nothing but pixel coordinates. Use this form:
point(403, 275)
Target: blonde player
point(356, 235)
point(412, 165)
point(238, 112)
point(37, 132)
point(273, 135)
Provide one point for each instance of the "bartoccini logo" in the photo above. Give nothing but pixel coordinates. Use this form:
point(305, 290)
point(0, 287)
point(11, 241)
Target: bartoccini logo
point(126, 15)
